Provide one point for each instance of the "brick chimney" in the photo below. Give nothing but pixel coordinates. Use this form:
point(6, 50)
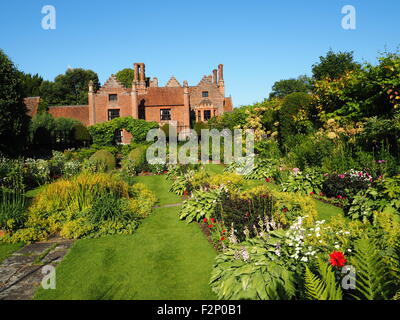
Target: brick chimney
point(221, 83)
point(215, 78)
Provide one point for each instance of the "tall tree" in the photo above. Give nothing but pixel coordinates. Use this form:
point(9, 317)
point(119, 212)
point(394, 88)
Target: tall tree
point(14, 121)
point(334, 65)
point(30, 84)
point(126, 76)
point(283, 88)
point(70, 88)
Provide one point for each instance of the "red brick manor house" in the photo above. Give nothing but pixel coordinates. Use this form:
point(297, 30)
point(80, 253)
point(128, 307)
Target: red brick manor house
point(146, 100)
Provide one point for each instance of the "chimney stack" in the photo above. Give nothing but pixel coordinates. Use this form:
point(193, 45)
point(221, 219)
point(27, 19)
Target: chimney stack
point(221, 83)
point(215, 79)
point(221, 72)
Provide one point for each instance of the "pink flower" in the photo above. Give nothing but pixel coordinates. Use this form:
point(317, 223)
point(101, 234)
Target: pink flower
point(342, 176)
point(296, 170)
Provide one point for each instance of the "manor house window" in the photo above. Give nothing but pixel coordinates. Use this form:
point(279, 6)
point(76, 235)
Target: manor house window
point(207, 115)
point(112, 97)
point(205, 94)
point(165, 114)
point(113, 113)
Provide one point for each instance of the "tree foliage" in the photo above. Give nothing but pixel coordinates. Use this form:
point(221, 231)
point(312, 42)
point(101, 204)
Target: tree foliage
point(334, 65)
point(283, 88)
point(70, 88)
point(13, 119)
point(126, 77)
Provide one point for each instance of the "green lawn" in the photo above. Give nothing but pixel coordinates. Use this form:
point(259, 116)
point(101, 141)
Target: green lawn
point(7, 249)
point(160, 186)
point(165, 259)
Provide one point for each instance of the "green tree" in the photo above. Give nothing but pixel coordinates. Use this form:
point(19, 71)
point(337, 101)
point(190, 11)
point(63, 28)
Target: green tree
point(70, 88)
point(126, 77)
point(30, 84)
point(293, 115)
point(334, 65)
point(283, 88)
point(14, 121)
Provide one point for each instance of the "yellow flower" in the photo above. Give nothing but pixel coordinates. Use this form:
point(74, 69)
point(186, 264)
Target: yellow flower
point(332, 135)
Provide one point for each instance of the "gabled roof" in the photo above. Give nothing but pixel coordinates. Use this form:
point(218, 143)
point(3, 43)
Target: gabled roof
point(172, 82)
point(205, 80)
point(163, 96)
point(112, 83)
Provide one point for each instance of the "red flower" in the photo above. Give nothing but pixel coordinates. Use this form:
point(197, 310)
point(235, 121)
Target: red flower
point(337, 259)
point(312, 192)
point(213, 220)
point(339, 197)
point(205, 220)
point(284, 210)
point(210, 226)
point(223, 231)
point(267, 180)
point(223, 238)
point(185, 193)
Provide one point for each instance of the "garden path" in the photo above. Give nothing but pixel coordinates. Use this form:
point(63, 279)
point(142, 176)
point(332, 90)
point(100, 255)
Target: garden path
point(21, 273)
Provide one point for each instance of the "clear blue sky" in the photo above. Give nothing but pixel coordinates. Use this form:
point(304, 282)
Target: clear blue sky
point(259, 42)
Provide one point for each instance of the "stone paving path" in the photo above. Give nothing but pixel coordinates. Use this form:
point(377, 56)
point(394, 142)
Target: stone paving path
point(21, 274)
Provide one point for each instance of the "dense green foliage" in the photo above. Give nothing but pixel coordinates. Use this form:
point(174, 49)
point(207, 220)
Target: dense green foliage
point(104, 133)
point(282, 88)
point(70, 88)
point(126, 77)
point(334, 65)
point(13, 119)
point(106, 157)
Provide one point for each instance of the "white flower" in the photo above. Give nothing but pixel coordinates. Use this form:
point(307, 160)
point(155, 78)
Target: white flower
point(304, 259)
point(337, 246)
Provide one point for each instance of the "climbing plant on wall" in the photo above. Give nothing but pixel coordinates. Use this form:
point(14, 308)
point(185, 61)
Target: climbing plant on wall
point(103, 134)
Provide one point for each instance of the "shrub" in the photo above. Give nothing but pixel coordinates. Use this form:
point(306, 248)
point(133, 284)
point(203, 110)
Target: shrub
point(202, 204)
point(94, 166)
point(306, 182)
point(244, 210)
point(12, 174)
point(71, 168)
point(251, 270)
point(106, 157)
point(81, 135)
point(135, 162)
point(103, 134)
point(347, 184)
point(37, 172)
point(88, 205)
point(289, 123)
point(12, 210)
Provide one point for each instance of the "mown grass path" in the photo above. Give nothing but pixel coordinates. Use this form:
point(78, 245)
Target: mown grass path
point(165, 259)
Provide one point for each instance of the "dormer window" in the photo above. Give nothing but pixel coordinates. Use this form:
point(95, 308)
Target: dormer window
point(112, 97)
point(204, 94)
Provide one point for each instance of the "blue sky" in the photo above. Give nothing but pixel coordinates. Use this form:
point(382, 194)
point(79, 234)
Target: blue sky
point(258, 41)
